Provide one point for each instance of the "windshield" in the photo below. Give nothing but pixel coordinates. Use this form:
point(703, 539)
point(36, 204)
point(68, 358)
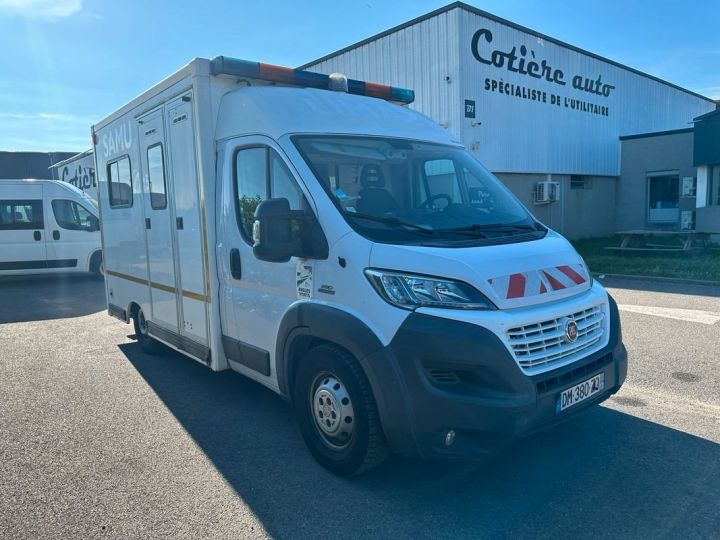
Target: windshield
point(396, 190)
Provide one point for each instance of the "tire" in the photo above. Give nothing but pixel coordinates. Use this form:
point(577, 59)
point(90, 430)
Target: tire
point(352, 441)
point(96, 265)
point(147, 343)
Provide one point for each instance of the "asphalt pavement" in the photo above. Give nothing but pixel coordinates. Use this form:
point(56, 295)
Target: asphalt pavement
point(99, 440)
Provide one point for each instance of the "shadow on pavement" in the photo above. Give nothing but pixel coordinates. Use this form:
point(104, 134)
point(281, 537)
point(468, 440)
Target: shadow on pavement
point(603, 474)
point(44, 297)
point(668, 287)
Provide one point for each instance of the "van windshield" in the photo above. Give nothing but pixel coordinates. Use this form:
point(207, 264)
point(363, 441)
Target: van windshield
point(405, 191)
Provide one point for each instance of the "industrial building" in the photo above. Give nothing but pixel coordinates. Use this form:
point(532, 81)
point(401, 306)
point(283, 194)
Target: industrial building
point(18, 165)
point(556, 123)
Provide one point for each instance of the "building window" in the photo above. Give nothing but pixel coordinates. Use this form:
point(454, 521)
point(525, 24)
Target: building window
point(120, 183)
point(579, 182)
point(664, 198)
point(689, 186)
point(714, 185)
point(19, 215)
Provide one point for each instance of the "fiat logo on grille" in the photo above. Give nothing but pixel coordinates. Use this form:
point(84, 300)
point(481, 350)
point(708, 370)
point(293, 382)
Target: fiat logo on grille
point(571, 331)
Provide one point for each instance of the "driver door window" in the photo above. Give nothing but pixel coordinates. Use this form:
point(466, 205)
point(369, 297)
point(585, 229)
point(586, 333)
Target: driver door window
point(261, 174)
point(72, 216)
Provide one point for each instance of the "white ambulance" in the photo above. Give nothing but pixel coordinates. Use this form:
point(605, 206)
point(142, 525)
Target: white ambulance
point(47, 226)
point(313, 234)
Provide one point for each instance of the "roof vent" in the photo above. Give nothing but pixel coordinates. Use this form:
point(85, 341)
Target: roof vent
point(338, 82)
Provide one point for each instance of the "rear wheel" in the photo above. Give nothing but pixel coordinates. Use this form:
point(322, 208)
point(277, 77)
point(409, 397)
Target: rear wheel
point(147, 343)
point(336, 410)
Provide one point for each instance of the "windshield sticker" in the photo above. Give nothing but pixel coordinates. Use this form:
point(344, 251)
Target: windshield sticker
point(350, 209)
point(340, 194)
point(304, 279)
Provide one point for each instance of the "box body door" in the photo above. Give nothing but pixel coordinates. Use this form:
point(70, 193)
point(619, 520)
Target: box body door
point(159, 230)
point(189, 221)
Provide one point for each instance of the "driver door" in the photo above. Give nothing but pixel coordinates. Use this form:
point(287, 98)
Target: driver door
point(255, 294)
point(74, 234)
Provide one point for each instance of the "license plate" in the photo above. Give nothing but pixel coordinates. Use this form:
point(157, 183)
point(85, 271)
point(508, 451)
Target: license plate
point(580, 392)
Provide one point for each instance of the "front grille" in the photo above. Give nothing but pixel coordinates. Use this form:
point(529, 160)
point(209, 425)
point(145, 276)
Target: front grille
point(542, 346)
point(584, 370)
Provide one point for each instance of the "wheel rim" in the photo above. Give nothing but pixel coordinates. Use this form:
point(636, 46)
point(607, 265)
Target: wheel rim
point(142, 323)
point(332, 411)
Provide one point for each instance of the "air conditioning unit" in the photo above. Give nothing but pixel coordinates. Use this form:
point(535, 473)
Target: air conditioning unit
point(547, 192)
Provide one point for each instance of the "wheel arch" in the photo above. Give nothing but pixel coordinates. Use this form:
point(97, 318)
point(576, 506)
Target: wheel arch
point(91, 258)
point(132, 310)
point(306, 325)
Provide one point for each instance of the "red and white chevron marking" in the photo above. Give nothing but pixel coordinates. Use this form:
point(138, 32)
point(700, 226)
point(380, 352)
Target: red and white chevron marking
point(535, 282)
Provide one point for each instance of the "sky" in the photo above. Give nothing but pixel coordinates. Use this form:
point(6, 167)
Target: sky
point(66, 64)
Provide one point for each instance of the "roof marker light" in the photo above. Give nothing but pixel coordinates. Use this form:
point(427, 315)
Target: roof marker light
point(224, 65)
point(338, 82)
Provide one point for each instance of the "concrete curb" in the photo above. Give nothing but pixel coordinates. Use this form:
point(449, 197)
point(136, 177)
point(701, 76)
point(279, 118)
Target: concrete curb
point(601, 275)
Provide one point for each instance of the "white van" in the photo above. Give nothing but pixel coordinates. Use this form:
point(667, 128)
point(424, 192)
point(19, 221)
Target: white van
point(47, 226)
point(347, 253)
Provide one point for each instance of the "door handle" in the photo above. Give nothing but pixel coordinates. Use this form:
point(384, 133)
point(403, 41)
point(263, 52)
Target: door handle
point(56, 235)
point(179, 223)
point(235, 265)
point(37, 236)
point(147, 222)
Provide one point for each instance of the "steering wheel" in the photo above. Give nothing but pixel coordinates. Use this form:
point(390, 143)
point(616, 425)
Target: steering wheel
point(430, 200)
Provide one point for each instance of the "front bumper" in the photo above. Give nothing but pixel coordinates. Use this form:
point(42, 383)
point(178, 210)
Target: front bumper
point(439, 374)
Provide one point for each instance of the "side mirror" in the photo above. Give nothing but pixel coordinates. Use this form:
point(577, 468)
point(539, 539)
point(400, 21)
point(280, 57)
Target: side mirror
point(93, 224)
point(280, 233)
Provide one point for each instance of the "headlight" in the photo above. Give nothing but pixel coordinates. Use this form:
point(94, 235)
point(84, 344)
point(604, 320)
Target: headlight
point(409, 291)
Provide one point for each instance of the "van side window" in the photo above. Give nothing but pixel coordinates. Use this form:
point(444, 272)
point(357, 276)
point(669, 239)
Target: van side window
point(120, 183)
point(260, 174)
point(21, 214)
point(70, 215)
point(156, 177)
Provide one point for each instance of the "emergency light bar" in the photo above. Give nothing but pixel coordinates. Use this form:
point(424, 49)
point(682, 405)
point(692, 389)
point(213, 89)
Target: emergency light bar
point(223, 65)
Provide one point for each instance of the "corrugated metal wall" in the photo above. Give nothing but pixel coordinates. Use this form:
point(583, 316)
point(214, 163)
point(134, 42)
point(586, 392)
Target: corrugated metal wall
point(520, 135)
point(420, 57)
point(510, 133)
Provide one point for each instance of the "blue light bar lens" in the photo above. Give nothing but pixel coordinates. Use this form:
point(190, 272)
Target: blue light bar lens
point(404, 95)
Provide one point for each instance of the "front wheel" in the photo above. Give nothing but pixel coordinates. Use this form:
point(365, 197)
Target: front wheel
point(336, 411)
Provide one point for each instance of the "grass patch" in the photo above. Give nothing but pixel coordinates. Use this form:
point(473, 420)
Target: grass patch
point(703, 265)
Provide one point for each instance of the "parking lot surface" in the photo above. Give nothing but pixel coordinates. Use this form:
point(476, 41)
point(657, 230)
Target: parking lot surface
point(99, 440)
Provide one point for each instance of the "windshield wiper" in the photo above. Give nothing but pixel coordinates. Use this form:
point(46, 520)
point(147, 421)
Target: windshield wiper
point(392, 221)
point(497, 227)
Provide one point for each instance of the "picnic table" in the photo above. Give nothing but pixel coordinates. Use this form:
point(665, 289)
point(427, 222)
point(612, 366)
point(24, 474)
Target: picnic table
point(686, 241)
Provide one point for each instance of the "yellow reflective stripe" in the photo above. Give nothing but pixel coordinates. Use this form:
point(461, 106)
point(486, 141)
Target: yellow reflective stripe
point(159, 286)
